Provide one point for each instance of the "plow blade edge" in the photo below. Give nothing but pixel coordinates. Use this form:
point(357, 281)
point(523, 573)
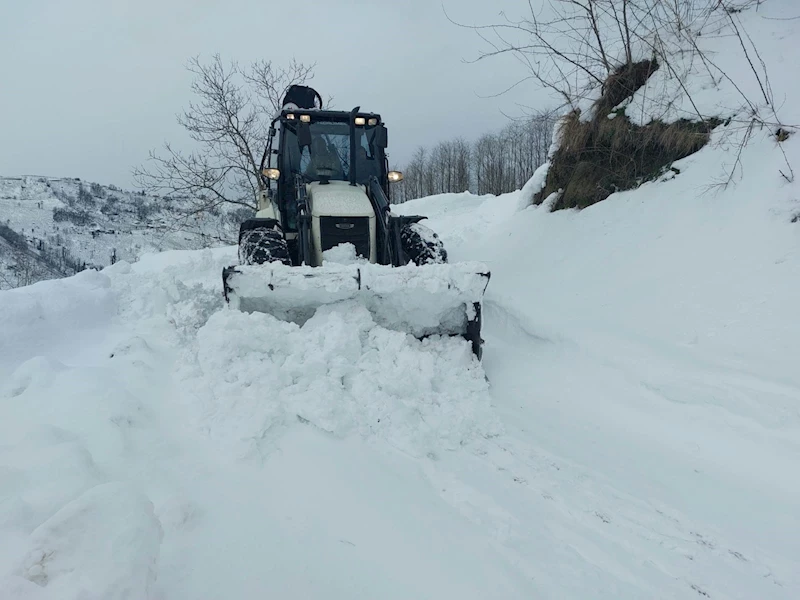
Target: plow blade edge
point(437, 299)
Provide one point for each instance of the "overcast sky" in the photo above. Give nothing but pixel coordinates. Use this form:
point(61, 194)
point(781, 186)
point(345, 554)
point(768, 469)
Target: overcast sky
point(88, 87)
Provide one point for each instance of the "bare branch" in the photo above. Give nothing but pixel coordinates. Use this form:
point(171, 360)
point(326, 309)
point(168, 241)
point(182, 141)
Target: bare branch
point(228, 122)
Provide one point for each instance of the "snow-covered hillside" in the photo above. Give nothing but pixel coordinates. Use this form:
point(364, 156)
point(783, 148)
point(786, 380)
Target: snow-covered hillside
point(51, 227)
point(637, 435)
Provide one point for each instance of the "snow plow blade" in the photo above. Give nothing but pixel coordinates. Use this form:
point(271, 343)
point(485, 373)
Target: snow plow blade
point(436, 299)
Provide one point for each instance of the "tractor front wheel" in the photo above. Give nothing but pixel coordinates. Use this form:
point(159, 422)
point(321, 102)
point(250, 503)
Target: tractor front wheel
point(261, 245)
point(421, 245)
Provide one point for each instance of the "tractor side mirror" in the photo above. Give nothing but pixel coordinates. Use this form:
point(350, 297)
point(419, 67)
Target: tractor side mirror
point(381, 139)
point(303, 134)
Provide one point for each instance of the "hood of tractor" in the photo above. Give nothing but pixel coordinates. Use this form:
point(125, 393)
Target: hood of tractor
point(339, 199)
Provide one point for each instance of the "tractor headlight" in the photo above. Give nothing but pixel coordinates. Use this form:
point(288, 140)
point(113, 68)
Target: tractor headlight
point(305, 118)
point(394, 176)
point(361, 121)
point(272, 173)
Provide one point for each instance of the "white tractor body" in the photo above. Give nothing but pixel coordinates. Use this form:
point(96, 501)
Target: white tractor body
point(324, 232)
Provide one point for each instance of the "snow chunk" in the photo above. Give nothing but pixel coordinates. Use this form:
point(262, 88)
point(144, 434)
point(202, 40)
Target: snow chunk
point(37, 373)
point(344, 254)
point(46, 469)
point(104, 545)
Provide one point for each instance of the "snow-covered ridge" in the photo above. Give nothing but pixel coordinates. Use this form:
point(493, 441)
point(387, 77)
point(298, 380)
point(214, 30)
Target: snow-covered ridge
point(52, 227)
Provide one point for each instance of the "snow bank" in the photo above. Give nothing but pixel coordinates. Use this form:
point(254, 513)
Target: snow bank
point(462, 218)
point(650, 342)
point(673, 263)
point(721, 83)
point(38, 318)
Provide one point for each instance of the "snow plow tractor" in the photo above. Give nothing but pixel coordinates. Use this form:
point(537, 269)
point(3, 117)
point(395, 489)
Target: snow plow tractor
point(324, 232)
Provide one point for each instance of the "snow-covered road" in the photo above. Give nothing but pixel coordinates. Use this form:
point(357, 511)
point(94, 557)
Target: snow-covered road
point(157, 445)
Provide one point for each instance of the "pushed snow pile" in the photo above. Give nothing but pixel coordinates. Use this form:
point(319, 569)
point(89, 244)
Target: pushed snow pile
point(149, 445)
point(155, 443)
point(427, 300)
point(253, 375)
point(45, 313)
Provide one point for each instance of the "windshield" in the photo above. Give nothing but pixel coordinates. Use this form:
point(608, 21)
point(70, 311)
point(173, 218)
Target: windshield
point(328, 157)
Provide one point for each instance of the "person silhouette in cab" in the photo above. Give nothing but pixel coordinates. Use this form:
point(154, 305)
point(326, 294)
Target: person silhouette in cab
point(324, 163)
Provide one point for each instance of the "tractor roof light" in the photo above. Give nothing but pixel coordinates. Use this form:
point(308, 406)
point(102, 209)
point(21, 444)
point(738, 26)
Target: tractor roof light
point(372, 121)
point(273, 174)
point(305, 118)
point(394, 176)
point(361, 121)
point(290, 116)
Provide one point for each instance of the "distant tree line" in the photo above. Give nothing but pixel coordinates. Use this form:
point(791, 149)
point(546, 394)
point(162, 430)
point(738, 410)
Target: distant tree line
point(14, 239)
point(495, 163)
point(32, 262)
point(78, 217)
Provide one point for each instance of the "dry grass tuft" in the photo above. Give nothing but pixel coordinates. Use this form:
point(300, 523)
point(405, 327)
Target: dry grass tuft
point(605, 155)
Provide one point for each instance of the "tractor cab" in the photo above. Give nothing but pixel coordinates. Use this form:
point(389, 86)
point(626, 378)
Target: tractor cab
point(325, 147)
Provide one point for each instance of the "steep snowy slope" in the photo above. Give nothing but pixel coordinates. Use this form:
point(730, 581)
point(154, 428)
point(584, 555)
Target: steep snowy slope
point(652, 347)
point(651, 343)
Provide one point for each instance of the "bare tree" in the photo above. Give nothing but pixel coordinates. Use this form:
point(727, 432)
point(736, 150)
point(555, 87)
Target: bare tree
point(462, 155)
point(26, 268)
point(593, 55)
point(572, 47)
point(228, 124)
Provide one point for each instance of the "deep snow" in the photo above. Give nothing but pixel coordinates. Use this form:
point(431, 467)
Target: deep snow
point(652, 344)
point(637, 436)
point(242, 457)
